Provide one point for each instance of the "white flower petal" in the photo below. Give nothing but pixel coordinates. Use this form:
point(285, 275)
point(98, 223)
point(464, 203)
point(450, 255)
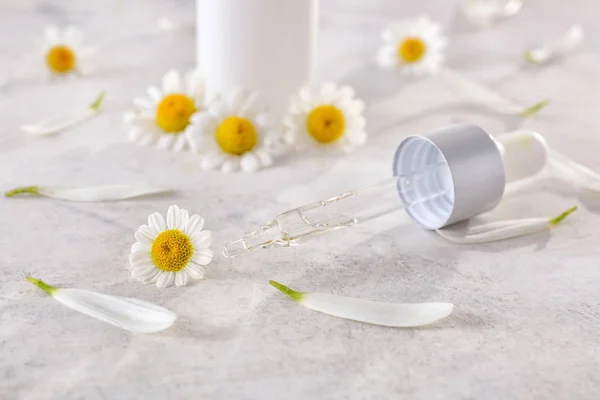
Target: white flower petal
point(202, 240)
point(219, 110)
point(73, 36)
point(102, 193)
point(371, 312)
point(264, 158)
point(501, 230)
point(181, 278)
point(165, 141)
point(249, 107)
point(155, 94)
point(194, 85)
point(184, 217)
point(126, 313)
point(172, 82)
point(237, 97)
point(144, 235)
point(230, 164)
point(138, 246)
point(212, 161)
point(573, 173)
point(180, 143)
point(249, 163)
point(173, 216)
point(151, 277)
point(165, 280)
point(59, 123)
point(479, 93)
point(142, 272)
point(195, 271)
point(141, 258)
point(143, 102)
point(97, 193)
point(194, 224)
point(571, 39)
point(484, 12)
point(386, 57)
point(202, 256)
point(52, 35)
point(157, 221)
point(328, 92)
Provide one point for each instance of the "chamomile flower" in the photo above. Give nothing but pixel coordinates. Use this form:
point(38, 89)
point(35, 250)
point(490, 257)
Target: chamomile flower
point(171, 251)
point(163, 116)
point(64, 51)
point(330, 118)
point(233, 134)
point(415, 47)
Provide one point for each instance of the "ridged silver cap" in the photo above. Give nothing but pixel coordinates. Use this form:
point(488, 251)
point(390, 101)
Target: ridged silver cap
point(452, 174)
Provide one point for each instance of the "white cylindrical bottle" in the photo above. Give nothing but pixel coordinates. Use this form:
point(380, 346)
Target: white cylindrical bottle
point(264, 45)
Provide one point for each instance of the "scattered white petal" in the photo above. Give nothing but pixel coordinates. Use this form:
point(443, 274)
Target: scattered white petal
point(501, 230)
point(486, 97)
point(59, 123)
point(126, 313)
point(400, 315)
point(94, 193)
point(571, 39)
point(486, 12)
point(573, 173)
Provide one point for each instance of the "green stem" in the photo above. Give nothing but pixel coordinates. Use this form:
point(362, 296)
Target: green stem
point(23, 189)
point(98, 102)
point(534, 109)
point(286, 290)
point(42, 285)
point(554, 221)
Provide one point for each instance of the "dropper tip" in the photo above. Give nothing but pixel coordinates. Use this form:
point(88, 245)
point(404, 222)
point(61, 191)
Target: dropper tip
point(234, 249)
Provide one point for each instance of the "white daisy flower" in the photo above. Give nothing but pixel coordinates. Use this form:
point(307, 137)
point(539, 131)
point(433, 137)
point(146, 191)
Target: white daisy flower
point(415, 47)
point(162, 117)
point(64, 51)
point(330, 118)
point(233, 133)
point(172, 250)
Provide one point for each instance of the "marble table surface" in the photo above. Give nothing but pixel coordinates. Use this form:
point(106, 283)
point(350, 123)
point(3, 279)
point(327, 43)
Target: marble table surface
point(526, 320)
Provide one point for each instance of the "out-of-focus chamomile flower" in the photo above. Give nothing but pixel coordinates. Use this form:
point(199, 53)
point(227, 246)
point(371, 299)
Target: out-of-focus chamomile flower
point(163, 116)
point(64, 51)
point(330, 118)
point(413, 47)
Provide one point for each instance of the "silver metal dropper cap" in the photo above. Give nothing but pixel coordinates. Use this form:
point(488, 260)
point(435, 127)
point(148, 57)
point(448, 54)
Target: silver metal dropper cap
point(469, 170)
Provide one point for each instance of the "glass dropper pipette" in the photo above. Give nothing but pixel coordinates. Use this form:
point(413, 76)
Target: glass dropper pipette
point(307, 222)
point(443, 177)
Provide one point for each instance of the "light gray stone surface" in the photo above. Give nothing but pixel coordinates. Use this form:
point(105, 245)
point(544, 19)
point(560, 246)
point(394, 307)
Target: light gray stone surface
point(526, 319)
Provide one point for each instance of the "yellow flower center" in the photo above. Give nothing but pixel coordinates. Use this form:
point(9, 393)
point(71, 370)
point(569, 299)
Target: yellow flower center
point(236, 135)
point(326, 124)
point(171, 250)
point(411, 50)
point(61, 59)
point(174, 112)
